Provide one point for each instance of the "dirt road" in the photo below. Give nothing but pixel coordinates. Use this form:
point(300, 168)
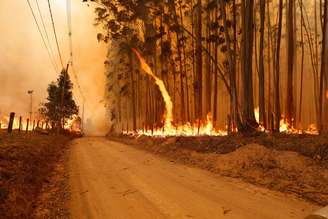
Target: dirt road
point(113, 180)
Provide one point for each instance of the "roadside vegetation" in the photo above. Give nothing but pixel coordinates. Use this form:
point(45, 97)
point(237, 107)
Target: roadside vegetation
point(33, 163)
point(28, 163)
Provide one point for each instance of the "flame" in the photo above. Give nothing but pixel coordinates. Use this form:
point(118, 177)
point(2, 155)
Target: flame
point(188, 129)
point(73, 124)
point(197, 128)
point(168, 115)
point(257, 118)
point(326, 94)
point(4, 121)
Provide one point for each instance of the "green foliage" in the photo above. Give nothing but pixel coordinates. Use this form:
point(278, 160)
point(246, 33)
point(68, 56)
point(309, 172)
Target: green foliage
point(60, 104)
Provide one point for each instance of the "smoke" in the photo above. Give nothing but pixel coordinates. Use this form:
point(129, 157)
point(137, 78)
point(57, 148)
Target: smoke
point(25, 64)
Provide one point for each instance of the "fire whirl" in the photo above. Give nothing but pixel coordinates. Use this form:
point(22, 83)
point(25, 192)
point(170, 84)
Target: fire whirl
point(188, 129)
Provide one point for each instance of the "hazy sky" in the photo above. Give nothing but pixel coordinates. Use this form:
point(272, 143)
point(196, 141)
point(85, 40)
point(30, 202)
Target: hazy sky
point(24, 62)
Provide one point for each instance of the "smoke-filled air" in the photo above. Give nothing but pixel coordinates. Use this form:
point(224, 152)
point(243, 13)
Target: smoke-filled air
point(25, 63)
point(164, 109)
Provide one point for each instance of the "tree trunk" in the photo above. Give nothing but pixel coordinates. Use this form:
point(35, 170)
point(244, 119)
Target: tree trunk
point(262, 118)
point(208, 63)
point(277, 70)
point(302, 67)
point(290, 111)
point(248, 118)
point(199, 60)
point(232, 69)
point(323, 99)
point(133, 95)
point(215, 89)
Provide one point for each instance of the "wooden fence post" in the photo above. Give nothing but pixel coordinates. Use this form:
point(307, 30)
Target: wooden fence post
point(27, 123)
point(20, 124)
point(11, 122)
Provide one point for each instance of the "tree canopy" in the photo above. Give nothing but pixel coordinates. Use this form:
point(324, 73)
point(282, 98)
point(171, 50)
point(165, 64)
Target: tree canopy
point(60, 104)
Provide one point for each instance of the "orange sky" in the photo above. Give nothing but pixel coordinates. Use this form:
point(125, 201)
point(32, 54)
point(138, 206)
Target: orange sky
point(25, 63)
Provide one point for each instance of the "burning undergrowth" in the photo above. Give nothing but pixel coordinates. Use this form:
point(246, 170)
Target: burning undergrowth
point(198, 127)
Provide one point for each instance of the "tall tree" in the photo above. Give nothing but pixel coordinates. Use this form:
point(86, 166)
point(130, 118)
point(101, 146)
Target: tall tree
point(277, 70)
point(60, 104)
point(262, 117)
point(199, 60)
point(231, 68)
point(290, 111)
point(248, 117)
point(302, 66)
point(323, 99)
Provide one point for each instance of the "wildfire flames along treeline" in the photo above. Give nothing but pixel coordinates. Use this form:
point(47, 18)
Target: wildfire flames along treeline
point(199, 127)
point(216, 66)
point(73, 124)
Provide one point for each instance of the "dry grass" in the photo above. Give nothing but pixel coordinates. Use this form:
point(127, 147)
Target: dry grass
point(26, 163)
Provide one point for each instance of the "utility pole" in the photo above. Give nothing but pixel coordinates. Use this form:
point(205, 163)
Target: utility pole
point(30, 92)
point(61, 122)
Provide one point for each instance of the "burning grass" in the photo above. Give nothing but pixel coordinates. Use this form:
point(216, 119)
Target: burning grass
point(290, 163)
point(27, 162)
point(198, 127)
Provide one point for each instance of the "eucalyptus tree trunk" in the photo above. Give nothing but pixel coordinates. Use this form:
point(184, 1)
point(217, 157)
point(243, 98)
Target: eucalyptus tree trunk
point(277, 70)
point(232, 68)
point(193, 60)
point(248, 118)
point(262, 118)
point(323, 99)
point(133, 93)
point(199, 60)
point(290, 111)
point(302, 67)
point(215, 75)
point(269, 49)
point(179, 45)
point(208, 62)
point(185, 64)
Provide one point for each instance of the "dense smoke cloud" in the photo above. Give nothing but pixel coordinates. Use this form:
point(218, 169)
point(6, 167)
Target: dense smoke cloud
point(25, 64)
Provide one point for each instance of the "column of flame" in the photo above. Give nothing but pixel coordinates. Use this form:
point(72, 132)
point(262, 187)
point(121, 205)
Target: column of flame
point(168, 115)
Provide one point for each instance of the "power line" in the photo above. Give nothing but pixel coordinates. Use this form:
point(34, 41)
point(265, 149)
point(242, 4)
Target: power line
point(54, 29)
point(69, 22)
point(46, 32)
point(40, 32)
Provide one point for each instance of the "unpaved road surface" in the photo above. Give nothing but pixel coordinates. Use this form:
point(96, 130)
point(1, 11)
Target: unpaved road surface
point(113, 180)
